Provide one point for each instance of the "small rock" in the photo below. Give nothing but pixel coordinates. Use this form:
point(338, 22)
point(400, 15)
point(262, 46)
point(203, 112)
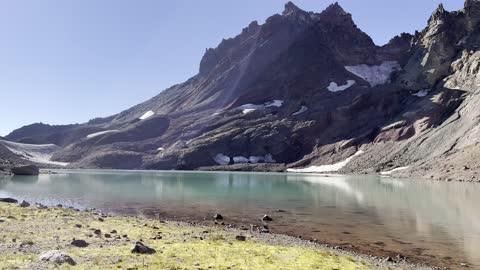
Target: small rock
point(125, 236)
point(113, 232)
point(108, 235)
point(24, 204)
point(158, 237)
point(8, 200)
point(101, 219)
point(143, 249)
point(79, 243)
point(240, 238)
point(97, 232)
point(218, 217)
point(266, 218)
point(78, 225)
point(57, 257)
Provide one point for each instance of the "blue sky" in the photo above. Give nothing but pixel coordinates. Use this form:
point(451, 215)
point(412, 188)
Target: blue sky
point(65, 61)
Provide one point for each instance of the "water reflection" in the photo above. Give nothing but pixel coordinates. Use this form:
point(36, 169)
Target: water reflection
point(442, 218)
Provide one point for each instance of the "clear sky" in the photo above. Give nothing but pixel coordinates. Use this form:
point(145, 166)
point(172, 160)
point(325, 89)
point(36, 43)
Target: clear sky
point(66, 61)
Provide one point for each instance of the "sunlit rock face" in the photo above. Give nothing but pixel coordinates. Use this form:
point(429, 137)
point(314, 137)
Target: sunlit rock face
point(306, 88)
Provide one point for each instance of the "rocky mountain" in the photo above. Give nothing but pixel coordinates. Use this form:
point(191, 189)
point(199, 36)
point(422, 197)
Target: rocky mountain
point(304, 91)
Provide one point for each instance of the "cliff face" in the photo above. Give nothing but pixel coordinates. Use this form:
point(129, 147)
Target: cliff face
point(301, 89)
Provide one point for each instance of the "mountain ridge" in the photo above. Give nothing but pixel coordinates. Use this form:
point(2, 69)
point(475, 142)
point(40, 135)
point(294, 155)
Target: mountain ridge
point(303, 89)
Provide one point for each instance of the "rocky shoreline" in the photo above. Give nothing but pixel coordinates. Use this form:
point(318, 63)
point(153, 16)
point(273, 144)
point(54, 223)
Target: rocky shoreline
point(40, 237)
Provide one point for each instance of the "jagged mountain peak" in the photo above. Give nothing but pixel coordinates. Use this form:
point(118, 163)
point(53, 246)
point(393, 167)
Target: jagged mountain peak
point(472, 3)
point(291, 9)
point(335, 9)
point(439, 14)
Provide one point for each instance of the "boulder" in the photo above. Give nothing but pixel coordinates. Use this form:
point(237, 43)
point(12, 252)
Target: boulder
point(79, 243)
point(8, 200)
point(57, 257)
point(218, 217)
point(143, 249)
point(25, 170)
point(266, 218)
point(24, 204)
point(241, 238)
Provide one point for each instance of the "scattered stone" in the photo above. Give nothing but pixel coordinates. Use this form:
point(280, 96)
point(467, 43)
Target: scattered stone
point(266, 218)
point(281, 211)
point(218, 217)
point(158, 237)
point(97, 232)
point(113, 232)
point(125, 236)
point(59, 206)
point(79, 243)
point(78, 225)
point(143, 249)
point(101, 219)
point(241, 238)
point(57, 257)
point(25, 170)
point(8, 200)
point(107, 235)
point(24, 204)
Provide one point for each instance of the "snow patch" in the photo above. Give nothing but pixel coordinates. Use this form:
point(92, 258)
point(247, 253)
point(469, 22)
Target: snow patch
point(93, 135)
point(147, 115)
point(237, 160)
point(422, 93)
point(248, 108)
point(38, 153)
point(334, 87)
point(161, 149)
point(462, 41)
point(394, 170)
point(222, 159)
point(375, 75)
point(327, 168)
point(302, 110)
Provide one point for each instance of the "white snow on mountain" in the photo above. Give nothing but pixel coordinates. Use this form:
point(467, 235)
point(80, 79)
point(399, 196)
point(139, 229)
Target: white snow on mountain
point(147, 115)
point(327, 168)
point(394, 170)
point(222, 159)
point(247, 108)
point(334, 87)
point(375, 75)
point(302, 110)
point(96, 134)
point(422, 93)
point(38, 153)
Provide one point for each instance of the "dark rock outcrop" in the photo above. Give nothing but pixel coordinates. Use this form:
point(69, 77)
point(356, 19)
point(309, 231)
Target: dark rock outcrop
point(25, 170)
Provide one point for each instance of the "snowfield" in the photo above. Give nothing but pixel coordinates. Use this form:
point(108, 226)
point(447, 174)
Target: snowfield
point(302, 110)
point(147, 115)
point(225, 160)
point(422, 93)
point(38, 153)
point(327, 168)
point(334, 87)
point(222, 159)
point(394, 170)
point(247, 108)
point(93, 135)
point(375, 75)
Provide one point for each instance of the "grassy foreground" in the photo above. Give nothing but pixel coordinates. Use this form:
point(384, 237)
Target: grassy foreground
point(25, 233)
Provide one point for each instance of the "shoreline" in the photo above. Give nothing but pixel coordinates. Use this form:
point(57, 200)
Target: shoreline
point(12, 214)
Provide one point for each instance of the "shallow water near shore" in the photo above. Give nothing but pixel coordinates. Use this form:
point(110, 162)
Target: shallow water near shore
point(434, 222)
